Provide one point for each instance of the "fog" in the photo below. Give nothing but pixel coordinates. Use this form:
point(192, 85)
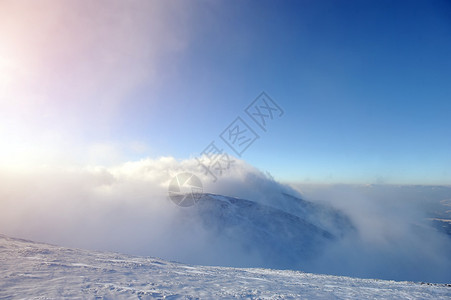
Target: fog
point(395, 239)
point(126, 208)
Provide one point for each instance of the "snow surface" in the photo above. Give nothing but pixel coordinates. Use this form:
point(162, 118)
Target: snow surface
point(30, 270)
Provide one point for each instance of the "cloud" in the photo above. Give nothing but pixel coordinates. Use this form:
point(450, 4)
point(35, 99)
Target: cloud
point(88, 52)
point(122, 208)
point(126, 208)
point(395, 239)
point(68, 69)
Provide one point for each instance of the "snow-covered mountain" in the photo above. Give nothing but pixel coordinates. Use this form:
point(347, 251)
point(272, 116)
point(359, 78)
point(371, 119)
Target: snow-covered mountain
point(30, 270)
point(285, 234)
point(441, 217)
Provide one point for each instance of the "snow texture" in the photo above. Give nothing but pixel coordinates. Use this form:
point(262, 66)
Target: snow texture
point(32, 270)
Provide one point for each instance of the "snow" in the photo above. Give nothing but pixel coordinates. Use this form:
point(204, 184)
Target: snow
point(36, 270)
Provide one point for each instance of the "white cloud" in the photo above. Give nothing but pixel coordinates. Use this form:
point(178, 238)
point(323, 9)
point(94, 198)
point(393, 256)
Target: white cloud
point(123, 208)
point(395, 240)
point(68, 69)
point(126, 208)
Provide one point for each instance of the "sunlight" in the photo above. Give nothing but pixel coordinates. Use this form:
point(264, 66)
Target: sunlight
point(7, 70)
point(21, 149)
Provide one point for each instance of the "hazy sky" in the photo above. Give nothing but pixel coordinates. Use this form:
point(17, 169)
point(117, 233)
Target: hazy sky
point(364, 85)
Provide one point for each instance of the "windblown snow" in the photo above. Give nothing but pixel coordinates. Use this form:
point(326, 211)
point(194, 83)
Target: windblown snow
point(35, 270)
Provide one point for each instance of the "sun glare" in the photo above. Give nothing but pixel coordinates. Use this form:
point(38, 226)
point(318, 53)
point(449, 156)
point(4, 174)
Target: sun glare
point(6, 74)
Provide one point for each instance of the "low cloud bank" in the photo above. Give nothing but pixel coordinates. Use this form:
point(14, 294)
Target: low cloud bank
point(127, 209)
point(395, 239)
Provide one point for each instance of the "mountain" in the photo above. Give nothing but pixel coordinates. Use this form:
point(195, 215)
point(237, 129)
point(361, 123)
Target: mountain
point(35, 270)
point(285, 234)
point(441, 217)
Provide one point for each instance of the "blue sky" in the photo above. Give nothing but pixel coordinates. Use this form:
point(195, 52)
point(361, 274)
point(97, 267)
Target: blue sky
point(364, 84)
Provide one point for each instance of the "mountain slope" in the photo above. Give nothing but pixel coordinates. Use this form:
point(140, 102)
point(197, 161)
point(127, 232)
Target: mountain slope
point(286, 234)
point(35, 270)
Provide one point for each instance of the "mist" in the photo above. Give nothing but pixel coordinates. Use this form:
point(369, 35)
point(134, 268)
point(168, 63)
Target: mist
point(126, 208)
point(395, 238)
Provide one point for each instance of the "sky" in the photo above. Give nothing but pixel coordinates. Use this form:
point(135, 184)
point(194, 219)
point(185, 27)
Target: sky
point(103, 102)
point(363, 85)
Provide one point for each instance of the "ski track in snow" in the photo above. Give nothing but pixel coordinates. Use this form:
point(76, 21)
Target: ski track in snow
point(31, 270)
